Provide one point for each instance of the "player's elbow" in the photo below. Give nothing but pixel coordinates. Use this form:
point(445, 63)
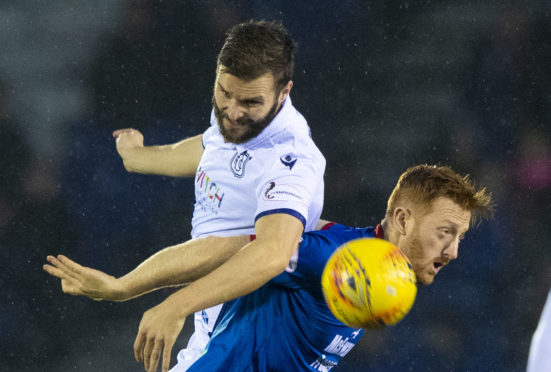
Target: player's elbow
point(133, 165)
point(277, 258)
point(279, 264)
point(274, 266)
point(129, 166)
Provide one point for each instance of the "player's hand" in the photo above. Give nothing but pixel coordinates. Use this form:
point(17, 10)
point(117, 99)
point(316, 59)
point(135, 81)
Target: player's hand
point(78, 280)
point(127, 139)
point(159, 328)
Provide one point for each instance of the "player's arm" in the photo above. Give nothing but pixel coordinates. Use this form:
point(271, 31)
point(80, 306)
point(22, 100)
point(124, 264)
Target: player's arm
point(277, 237)
point(176, 160)
point(171, 266)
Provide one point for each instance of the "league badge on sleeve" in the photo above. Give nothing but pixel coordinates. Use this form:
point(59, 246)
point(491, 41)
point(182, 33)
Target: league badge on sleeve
point(276, 192)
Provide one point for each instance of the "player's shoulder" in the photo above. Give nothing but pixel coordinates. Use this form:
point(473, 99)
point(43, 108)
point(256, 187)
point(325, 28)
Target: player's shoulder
point(212, 136)
point(295, 133)
point(291, 159)
point(290, 130)
point(295, 148)
point(335, 232)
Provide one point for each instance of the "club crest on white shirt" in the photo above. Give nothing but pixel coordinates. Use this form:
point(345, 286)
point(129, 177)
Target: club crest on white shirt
point(238, 162)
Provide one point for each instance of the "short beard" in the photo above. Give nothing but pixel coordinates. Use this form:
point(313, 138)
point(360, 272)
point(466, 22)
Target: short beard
point(415, 254)
point(255, 127)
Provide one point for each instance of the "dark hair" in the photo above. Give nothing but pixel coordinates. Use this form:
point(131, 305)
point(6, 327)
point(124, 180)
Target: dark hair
point(254, 48)
point(422, 184)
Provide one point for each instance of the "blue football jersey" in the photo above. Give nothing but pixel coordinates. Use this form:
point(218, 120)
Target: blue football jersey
point(285, 325)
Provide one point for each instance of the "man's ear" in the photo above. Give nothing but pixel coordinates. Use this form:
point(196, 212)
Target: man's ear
point(284, 93)
point(400, 219)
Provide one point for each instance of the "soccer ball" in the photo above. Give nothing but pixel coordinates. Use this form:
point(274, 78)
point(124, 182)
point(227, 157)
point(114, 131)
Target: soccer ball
point(368, 282)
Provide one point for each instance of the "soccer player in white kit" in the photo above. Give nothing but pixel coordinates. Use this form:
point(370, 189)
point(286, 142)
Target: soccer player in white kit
point(257, 171)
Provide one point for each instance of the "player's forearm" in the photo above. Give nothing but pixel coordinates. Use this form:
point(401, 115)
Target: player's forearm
point(179, 264)
point(249, 269)
point(176, 160)
point(242, 274)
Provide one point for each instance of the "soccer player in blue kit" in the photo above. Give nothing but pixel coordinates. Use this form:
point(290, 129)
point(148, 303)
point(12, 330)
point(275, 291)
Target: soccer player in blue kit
point(285, 325)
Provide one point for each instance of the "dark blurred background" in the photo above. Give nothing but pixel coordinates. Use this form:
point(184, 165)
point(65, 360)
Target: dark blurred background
point(383, 84)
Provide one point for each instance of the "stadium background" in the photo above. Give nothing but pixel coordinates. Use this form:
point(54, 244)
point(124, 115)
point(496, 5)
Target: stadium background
point(383, 85)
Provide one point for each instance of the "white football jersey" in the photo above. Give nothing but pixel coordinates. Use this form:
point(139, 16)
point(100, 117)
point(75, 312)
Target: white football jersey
point(279, 171)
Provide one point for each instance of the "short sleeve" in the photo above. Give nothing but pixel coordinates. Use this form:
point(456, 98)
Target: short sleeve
point(291, 186)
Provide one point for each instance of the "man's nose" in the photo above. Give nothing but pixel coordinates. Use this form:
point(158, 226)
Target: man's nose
point(452, 251)
point(234, 110)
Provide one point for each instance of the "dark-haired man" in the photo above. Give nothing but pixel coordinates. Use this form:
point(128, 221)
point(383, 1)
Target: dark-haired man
point(257, 170)
point(285, 325)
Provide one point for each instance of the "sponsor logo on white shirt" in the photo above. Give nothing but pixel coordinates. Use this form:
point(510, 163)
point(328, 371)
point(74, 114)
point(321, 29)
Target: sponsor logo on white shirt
point(212, 196)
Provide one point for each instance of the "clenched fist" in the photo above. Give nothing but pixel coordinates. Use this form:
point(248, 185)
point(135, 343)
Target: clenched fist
point(128, 139)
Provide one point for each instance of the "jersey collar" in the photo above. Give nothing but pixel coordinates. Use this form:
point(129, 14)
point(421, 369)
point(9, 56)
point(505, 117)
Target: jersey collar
point(379, 232)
